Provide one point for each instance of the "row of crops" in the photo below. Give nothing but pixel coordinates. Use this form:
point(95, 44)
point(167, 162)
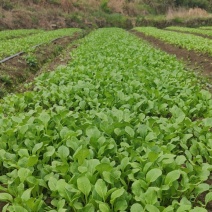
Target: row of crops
point(191, 30)
point(9, 47)
point(13, 46)
point(9, 34)
point(123, 127)
point(206, 27)
point(187, 41)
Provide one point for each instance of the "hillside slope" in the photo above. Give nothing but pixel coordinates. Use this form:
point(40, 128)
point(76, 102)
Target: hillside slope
point(83, 13)
point(56, 13)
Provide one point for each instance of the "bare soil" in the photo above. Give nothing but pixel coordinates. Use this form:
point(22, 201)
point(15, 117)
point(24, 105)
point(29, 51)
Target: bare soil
point(201, 63)
point(24, 68)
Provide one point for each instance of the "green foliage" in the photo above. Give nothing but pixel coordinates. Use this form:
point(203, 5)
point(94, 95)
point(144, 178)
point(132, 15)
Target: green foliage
point(178, 20)
point(9, 34)
point(123, 127)
point(78, 18)
point(104, 6)
point(36, 1)
point(2, 92)
point(206, 27)
point(118, 20)
point(55, 2)
point(16, 45)
point(205, 4)
point(31, 60)
point(5, 79)
point(57, 49)
point(7, 5)
point(192, 30)
point(112, 20)
point(187, 41)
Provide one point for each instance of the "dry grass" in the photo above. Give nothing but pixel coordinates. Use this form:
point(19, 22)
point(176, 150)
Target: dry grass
point(128, 8)
point(186, 13)
point(93, 3)
point(66, 6)
point(117, 5)
point(134, 9)
point(7, 20)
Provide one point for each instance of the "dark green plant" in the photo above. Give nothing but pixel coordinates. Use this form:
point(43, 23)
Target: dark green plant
point(6, 79)
point(205, 4)
point(35, 20)
point(31, 60)
point(115, 20)
point(36, 1)
point(55, 2)
point(6, 4)
point(178, 20)
point(57, 49)
point(2, 92)
point(104, 6)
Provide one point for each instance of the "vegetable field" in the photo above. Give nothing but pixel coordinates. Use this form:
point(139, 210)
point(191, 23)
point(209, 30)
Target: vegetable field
point(206, 27)
point(191, 30)
point(122, 127)
point(187, 41)
point(9, 34)
point(26, 43)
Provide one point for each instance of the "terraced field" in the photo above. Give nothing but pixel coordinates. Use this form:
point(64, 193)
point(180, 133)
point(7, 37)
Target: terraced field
point(207, 27)
point(14, 46)
point(187, 41)
point(191, 30)
point(9, 34)
point(122, 127)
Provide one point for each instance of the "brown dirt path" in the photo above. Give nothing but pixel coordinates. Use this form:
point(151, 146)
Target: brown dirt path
point(198, 62)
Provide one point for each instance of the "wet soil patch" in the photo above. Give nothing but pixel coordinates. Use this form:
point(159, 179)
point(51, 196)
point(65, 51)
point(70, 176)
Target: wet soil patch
point(201, 63)
point(191, 33)
point(25, 67)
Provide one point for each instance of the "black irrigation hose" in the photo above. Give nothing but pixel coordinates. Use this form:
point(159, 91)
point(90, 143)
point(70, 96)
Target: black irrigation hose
point(10, 57)
point(20, 53)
